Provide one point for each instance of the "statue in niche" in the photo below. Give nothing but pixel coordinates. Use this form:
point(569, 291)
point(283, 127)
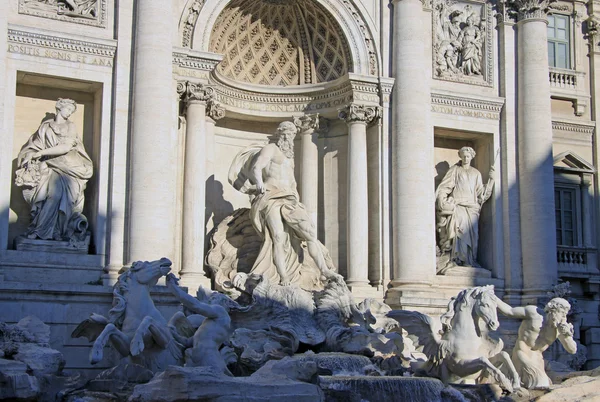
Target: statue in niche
point(53, 169)
point(538, 330)
point(459, 198)
point(458, 39)
point(266, 173)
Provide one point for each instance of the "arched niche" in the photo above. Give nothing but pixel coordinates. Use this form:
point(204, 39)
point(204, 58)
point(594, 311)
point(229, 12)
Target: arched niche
point(200, 16)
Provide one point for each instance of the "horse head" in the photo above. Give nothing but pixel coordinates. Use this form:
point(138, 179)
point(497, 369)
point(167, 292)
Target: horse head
point(149, 272)
point(477, 303)
point(485, 306)
point(135, 282)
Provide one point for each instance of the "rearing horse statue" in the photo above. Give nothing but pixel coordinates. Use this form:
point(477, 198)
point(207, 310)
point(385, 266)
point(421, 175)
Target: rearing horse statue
point(457, 346)
point(135, 328)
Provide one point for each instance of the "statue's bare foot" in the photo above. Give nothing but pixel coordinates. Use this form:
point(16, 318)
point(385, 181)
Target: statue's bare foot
point(96, 354)
point(32, 236)
point(285, 281)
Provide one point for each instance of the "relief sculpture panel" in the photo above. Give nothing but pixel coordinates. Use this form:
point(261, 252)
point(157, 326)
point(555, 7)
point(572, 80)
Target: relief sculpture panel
point(87, 12)
point(462, 42)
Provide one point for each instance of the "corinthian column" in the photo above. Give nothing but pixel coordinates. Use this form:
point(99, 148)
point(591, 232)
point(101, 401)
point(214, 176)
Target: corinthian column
point(357, 245)
point(536, 175)
point(195, 97)
point(214, 191)
point(153, 138)
point(309, 168)
point(413, 198)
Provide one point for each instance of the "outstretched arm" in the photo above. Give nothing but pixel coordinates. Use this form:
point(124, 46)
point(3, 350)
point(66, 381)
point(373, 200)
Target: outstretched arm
point(512, 312)
point(191, 302)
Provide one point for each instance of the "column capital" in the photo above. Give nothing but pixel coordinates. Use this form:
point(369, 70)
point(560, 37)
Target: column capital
point(529, 9)
point(359, 113)
point(214, 110)
point(307, 124)
point(191, 92)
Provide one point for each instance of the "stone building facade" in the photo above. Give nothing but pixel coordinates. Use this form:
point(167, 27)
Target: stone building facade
point(168, 93)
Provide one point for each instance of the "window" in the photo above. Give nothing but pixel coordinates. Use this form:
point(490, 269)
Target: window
point(565, 201)
point(558, 41)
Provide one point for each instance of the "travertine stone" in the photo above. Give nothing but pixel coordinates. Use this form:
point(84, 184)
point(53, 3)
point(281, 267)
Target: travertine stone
point(53, 170)
point(121, 119)
point(413, 245)
point(309, 167)
point(152, 163)
point(539, 329)
point(358, 117)
point(459, 198)
point(267, 174)
point(536, 184)
point(458, 345)
point(195, 97)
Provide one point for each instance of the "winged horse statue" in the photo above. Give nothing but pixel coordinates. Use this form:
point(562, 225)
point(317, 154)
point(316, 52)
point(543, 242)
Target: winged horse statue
point(135, 328)
point(458, 346)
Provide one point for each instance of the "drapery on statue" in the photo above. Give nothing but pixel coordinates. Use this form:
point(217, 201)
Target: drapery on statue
point(459, 198)
point(54, 169)
point(266, 173)
point(537, 332)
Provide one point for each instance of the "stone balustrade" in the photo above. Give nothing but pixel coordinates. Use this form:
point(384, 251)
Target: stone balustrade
point(569, 84)
point(572, 258)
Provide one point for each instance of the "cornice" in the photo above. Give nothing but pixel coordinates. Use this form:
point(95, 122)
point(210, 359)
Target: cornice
point(466, 106)
point(59, 43)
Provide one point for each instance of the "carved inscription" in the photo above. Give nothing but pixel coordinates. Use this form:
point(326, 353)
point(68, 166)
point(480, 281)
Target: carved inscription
point(59, 55)
point(50, 47)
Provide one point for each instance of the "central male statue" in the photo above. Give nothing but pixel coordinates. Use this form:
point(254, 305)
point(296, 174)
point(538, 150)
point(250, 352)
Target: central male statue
point(266, 173)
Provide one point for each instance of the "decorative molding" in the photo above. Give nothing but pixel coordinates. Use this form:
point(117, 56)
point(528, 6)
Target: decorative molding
point(530, 9)
point(191, 92)
point(367, 37)
point(463, 53)
point(93, 14)
point(189, 23)
point(307, 124)
point(587, 129)
point(215, 110)
point(462, 106)
point(359, 113)
point(73, 50)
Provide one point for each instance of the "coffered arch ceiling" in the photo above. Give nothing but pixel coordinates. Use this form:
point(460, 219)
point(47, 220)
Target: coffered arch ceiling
point(279, 43)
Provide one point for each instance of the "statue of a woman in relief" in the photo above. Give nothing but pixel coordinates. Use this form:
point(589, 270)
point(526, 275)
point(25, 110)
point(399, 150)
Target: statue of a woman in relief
point(54, 169)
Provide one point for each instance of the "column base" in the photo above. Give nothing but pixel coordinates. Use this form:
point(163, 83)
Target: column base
point(193, 281)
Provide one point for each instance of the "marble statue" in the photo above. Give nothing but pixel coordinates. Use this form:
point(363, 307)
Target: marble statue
point(212, 332)
point(266, 173)
point(135, 328)
point(538, 330)
point(53, 169)
point(459, 198)
point(458, 346)
point(458, 39)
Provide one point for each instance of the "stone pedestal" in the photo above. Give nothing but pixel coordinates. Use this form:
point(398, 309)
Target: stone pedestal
point(22, 243)
point(536, 171)
point(153, 143)
point(358, 117)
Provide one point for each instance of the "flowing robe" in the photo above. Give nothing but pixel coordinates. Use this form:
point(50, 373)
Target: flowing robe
point(57, 199)
point(299, 266)
point(459, 198)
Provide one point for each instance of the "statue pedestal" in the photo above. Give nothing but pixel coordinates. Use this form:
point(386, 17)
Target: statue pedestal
point(469, 272)
point(22, 243)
